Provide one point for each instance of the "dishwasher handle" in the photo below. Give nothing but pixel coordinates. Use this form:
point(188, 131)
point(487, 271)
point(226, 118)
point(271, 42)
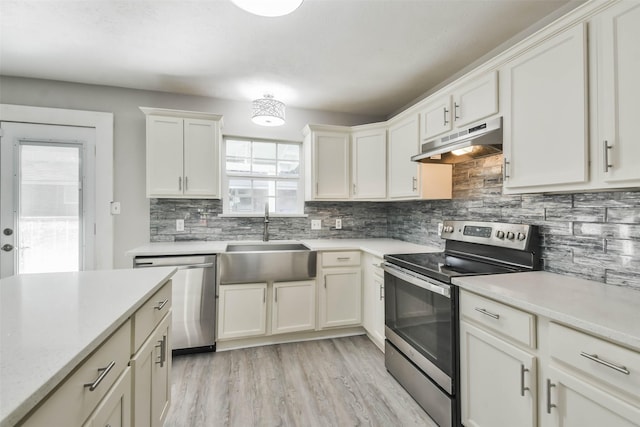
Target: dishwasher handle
point(178, 266)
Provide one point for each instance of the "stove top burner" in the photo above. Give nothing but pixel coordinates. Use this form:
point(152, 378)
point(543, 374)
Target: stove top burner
point(443, 267)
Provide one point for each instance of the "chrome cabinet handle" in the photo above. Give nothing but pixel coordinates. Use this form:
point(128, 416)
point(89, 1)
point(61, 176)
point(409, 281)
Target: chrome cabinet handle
point(381, 292)
point(163, 351)
point(354, 189)
point(550, 405)
point(415, 183)
point(186, 183)
point(275, 295)
point(487, 313)
point(455, 111)
point(103, 373)
point(445, 111)
point(505, 175)
point(325, 281)
point(264, 295)
point(161, 304)
point(179, 183)
point(522, 387)
point(605, 151)
point(343, 258)
point(595, 358)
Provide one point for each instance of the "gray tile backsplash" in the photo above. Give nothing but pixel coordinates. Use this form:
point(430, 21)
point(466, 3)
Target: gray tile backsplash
point(590, 235)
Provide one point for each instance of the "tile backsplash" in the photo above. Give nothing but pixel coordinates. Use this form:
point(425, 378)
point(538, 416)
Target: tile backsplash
point(590, 235)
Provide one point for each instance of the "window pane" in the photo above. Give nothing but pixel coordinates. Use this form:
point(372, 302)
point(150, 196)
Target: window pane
point(264, 150)
point(288, 151)
point(49, 209)
point(288, 168)
point(238, 164)
point(240, 195)
point(264, 167)
point(238, 148)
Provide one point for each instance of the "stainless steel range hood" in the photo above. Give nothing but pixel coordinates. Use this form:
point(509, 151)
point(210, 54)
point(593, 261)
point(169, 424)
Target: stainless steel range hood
point(478, 141)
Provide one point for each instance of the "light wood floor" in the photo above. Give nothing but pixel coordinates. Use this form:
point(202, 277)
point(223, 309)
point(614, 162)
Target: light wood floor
point(334, 382)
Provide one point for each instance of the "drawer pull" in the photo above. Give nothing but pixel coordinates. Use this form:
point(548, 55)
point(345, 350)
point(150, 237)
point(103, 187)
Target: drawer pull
point(550, 405)
point(595, 358)
point(343, 258)
point(161, 304)
point(381, 292)
point(522, 387)
point(163, 350)
point(487, 313)
point(103, 373)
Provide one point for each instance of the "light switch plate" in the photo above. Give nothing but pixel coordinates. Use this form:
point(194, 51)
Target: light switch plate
point(179, 224)
point(316, 224)
point(115, 208)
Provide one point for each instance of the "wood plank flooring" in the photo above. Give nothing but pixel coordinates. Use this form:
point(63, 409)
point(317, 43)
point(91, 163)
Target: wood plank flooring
point(333, 382)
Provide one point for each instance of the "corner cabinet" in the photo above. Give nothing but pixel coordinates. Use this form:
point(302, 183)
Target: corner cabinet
point(327, 154)
point(545, 114)
point(183, 154)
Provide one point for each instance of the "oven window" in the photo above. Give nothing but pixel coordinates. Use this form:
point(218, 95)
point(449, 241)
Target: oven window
point(422, 318)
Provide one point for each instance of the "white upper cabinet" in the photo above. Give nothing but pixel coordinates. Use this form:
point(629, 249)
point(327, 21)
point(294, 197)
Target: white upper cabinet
point(369, 164)
point(469, 102)
point(616, 148)
point(183, 154)
point(328, 164)
point(404, 174)
point(545, 114)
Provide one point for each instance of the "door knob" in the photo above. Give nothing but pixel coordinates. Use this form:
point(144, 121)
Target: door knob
point(7, 247)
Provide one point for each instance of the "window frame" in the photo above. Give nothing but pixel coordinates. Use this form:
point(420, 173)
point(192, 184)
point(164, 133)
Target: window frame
point(226, 206)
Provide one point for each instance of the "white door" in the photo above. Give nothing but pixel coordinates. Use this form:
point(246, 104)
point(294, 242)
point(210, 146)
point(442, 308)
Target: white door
point(46, 198)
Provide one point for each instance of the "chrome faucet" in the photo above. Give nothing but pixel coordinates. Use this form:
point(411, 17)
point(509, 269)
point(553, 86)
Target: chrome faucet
point(265, 233)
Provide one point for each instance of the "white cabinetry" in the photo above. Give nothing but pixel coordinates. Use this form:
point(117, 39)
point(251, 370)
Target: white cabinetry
point(369, 160)
point(183, 154)
point(616, 148)
point(497, 373)
point(242, 310)
point(545, 114)
point(469, 102)
point(373, 284)
point(294, 307)
point(340, 293)
point(328, 163)
point(115, 408)
point(404, 174)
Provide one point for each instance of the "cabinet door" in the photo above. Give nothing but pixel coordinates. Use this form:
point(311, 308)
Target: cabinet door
point(201, 158)
point(373, 306)
point(378, 310)
point(369, 156)
point(164, 156)
point(436, 118)
point(476, 100)
point(572, 402)
point(242, 310)
point(331, 165)
point(403, 173)
point(545, 116)
point(294, 307)
point(152, 378)
point(115, 408)
point(497, 381)
point(341, 297)
point(618, 148)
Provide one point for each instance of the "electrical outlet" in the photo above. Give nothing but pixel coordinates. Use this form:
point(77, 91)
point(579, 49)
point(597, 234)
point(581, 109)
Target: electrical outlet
point(115, 208)
point(440, 229)
point(338, 224)
point(316, 224)
point(179, 224)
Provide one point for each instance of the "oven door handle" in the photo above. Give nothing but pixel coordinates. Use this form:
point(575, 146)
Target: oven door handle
point(422, 282)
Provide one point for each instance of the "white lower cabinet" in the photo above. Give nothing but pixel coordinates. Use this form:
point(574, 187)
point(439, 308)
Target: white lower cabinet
point(341, 297)
point(242, 310)
point(497, 379)
point(373, 290)
point(294, 307)
point(115, 408)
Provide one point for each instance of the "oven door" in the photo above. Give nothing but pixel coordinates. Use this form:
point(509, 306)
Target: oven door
point(420, 321)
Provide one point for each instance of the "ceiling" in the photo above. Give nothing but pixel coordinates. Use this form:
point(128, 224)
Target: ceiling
point(355, 56)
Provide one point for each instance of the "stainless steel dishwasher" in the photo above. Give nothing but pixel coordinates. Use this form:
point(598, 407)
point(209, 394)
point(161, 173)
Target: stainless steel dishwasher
point(194, 300)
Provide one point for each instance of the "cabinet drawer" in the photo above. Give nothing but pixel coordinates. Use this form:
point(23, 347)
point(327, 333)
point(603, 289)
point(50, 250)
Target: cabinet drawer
point(607, 362)
point(150, 314)
point(73, 402)
point(340, 259)
point(511, 322)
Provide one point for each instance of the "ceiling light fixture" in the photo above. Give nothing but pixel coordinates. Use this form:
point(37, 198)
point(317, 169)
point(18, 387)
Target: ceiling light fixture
point(268, 111)
point(269, 8)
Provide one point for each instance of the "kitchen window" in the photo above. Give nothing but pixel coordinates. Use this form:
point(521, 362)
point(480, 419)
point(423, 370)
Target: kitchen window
point(262, 171)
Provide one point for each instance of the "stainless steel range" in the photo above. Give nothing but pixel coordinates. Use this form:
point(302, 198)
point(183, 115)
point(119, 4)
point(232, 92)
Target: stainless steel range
point(421, 306)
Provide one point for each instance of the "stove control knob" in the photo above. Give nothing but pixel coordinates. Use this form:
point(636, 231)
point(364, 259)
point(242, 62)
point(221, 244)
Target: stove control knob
point(521, 236)
point(447, 229)
point(510, 235)
point(500, 234)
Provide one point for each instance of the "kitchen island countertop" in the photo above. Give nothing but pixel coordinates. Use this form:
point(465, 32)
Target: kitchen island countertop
point(50, 322)
point(606, 310)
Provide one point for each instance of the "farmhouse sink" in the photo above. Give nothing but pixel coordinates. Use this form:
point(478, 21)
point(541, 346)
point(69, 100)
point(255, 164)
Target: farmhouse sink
point(266, 262)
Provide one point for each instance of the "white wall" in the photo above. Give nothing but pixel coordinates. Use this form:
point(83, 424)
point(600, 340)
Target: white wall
point(131, 227)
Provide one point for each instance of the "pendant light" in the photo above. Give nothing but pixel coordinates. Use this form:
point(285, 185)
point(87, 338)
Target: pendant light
point(269, 8)
point(268, 111)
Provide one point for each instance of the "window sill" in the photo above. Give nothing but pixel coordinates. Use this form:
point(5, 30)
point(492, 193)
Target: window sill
point(258, 215)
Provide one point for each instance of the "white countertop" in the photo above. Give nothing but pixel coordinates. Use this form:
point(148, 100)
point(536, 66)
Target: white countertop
point(610, 311)
point(377, 247)
point(51, 322)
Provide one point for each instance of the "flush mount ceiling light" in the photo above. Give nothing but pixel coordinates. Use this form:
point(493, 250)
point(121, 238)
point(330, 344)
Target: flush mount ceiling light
point(268, 7)
point(268, 111)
